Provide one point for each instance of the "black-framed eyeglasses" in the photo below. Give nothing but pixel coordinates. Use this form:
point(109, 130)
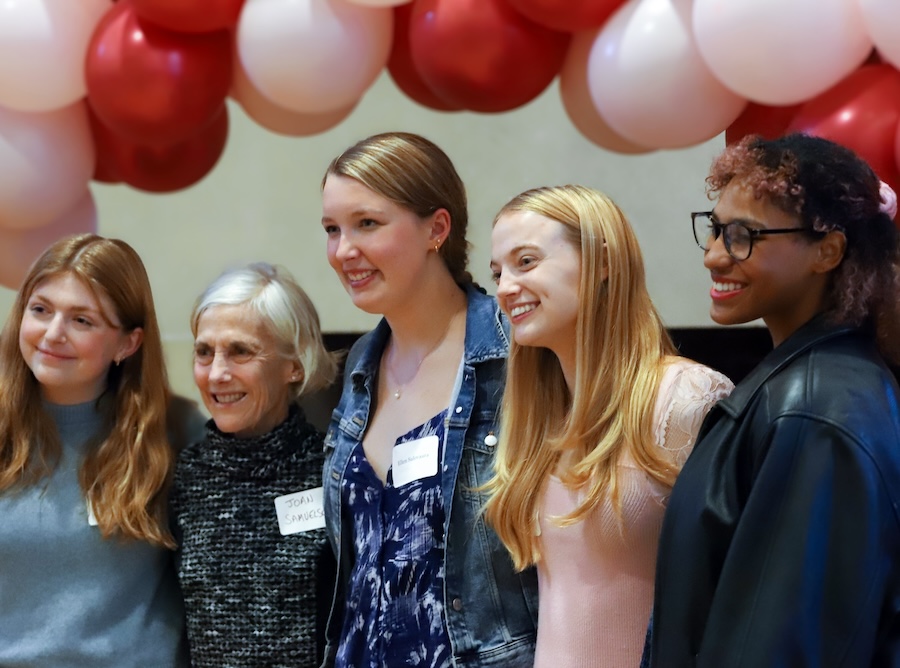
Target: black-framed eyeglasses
point(737, 236)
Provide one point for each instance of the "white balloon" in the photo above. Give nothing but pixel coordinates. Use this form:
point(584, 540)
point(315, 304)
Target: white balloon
point(47, 160)
point(43, 45)
point(20, 248)
point(882, 19)
point(278, 119)
point(648, 81)
point(313, 56)
point(781, 52)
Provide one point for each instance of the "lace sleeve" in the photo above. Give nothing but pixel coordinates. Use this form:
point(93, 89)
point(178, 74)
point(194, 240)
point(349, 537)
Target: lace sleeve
point(684, 403)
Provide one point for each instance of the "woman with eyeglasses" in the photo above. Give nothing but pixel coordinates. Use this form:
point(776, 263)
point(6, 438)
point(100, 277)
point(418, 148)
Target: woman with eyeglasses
point(781, 542)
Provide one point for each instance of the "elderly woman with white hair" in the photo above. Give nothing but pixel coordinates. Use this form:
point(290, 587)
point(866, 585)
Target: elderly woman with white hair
point(247, 501)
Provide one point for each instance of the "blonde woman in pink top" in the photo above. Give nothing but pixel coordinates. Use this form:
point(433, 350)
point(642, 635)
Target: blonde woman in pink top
point(598, 417)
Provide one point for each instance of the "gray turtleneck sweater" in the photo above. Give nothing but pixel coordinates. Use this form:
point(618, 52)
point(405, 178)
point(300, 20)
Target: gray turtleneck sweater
point(69, 598)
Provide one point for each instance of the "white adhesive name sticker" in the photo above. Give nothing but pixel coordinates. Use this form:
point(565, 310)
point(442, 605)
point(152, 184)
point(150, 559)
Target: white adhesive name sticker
point(414, 460)
point(300, 511)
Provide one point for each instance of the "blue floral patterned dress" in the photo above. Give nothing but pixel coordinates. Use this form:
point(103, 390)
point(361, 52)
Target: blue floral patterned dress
point(395, 611)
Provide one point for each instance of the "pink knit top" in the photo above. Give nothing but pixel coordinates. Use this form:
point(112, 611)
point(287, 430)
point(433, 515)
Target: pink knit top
point(596, 576)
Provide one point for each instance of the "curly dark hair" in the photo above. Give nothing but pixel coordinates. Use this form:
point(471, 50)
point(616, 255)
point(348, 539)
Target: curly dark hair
point(828, 187)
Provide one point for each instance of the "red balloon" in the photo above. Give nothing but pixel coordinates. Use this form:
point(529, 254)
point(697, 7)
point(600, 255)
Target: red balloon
point(105, 141)
point(761, 119)
point(161, 169)
point(567, 15)
point(481, 54)
point(862, 112)
point(152, 85)
point(402, 70)
point(190, 15)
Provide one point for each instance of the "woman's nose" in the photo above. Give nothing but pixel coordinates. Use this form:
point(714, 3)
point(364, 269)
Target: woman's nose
point(717, 256)
point(219, 368)
point(56, 328)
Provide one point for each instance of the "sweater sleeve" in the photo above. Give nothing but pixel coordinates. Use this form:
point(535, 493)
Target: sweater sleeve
point(802, 583)
point(687, 393)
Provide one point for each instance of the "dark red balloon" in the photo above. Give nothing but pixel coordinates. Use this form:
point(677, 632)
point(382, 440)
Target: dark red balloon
point(402, 70)
point(862, 112)
point(482, 55)
point(190, 15)
point(162, 169)
point(761, 119)
point(152, 85)
point(567, 15)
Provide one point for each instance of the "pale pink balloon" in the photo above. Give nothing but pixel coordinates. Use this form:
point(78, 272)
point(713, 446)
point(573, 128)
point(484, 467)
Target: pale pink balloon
point(882, 20)
point(43, 44)
point(19, 248)
point(313, 56)
point(648, 81)
point(777, 52)
point(576, 99)
point(46, 161)
point(278, 119)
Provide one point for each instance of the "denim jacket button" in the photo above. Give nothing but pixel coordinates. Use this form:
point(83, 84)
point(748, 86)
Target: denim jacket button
point(457, 604)
point(459, 409)
point(490, 440)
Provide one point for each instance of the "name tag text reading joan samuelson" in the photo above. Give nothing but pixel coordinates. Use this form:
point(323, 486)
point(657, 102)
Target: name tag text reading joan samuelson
point(414, 460)
point(300, 511)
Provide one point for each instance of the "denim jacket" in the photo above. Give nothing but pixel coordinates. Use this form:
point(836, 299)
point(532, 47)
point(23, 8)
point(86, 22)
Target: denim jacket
point(491, 610)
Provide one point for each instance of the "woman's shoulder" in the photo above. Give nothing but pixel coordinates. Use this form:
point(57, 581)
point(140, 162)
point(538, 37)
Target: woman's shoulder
point(687, 392)
point(683, 377)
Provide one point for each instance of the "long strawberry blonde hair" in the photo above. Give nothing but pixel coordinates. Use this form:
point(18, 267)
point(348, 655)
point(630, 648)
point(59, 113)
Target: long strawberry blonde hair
point(126, 473)
point(621, 346)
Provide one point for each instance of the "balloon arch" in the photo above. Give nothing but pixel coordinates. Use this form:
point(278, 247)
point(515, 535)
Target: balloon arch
point(134, 91)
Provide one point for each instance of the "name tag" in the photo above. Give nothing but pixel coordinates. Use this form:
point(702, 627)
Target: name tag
point(414, 460)
point(300, 511)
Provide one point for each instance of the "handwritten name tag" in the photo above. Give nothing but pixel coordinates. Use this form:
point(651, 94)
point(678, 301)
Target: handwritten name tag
point(414, 460)
point(300, 511)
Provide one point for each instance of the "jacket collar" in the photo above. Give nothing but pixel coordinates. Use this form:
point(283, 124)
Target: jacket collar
point(487, 336)
point(808, 336)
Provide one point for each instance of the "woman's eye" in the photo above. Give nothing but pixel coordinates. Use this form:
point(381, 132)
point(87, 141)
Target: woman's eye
point(330, 229)
point(495, 276)
point(37, 309)
point(526, 261)
point(203, 355)
point(367, 222)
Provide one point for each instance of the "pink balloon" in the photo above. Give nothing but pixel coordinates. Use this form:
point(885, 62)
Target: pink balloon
point(278, 119)
point(46, 160)
point(313, 56)
point(576, 99)
point(777, 52)
point(649, 82)
point(882, 19)
point(42, 49)
point(20, 248)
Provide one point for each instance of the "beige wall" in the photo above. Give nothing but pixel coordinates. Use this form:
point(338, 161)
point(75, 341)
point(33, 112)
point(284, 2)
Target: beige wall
point(262, 203)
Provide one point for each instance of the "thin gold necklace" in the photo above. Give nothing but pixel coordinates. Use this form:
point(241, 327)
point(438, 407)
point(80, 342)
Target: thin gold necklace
point(398, 391)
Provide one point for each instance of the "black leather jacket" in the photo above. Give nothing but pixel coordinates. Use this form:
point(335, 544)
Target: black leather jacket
point(781, 543)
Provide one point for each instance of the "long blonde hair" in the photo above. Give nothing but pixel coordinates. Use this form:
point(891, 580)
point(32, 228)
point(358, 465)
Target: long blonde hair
point(621, 345)
point(125, 475)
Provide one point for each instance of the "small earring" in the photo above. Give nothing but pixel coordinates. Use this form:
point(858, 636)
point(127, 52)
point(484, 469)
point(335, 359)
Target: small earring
point(437, 247)
point(118, 361)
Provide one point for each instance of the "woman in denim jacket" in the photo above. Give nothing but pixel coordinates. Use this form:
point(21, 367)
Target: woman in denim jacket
point(421, 580)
